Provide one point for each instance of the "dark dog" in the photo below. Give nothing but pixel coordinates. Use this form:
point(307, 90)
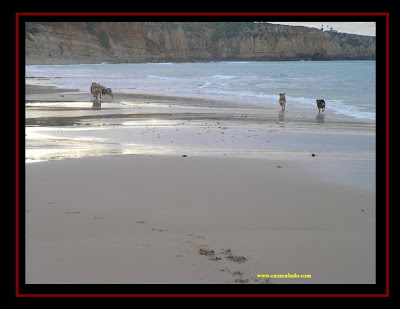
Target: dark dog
point(321, 105)
point(105, 91)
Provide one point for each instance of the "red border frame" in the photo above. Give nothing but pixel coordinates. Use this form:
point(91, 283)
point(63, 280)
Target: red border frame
point(17, 15)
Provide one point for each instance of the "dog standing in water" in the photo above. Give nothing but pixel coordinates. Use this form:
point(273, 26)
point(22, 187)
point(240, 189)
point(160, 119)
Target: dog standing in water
point(321, 105)
point(282, 101)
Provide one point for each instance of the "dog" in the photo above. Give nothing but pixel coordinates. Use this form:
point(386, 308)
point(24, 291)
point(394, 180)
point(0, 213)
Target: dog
point(321, 105)
point(95, 89)
point(105, 91)
point(282, 101)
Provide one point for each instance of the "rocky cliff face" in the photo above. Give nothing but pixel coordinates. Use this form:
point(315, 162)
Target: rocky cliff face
point(95, 42)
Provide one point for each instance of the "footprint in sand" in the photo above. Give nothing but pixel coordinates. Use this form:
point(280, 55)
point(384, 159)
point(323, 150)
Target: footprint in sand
point(203, 250)
point(223, 254)
point(237, 258)
point(207, 252)
point(234, 258)
point(264, 281)
point(160, 230)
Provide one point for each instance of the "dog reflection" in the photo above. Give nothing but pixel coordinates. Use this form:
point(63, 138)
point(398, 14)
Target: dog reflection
point(96, 104)
point(320, 118)
point(281, 115)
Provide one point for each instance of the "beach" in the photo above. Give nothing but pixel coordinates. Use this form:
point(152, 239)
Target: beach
point(166, 189)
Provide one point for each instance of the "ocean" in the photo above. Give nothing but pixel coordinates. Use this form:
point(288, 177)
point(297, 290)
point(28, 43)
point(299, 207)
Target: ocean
point(348, 87)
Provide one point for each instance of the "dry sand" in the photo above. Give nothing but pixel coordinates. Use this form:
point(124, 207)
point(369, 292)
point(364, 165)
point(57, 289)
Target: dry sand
point(202, 210)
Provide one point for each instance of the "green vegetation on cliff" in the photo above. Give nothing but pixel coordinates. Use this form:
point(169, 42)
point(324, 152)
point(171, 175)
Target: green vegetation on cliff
point(94, 42)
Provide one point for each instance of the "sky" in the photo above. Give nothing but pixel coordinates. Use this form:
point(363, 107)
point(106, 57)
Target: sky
point(363, 28)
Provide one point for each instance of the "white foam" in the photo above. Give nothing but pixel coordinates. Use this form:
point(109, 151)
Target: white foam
point(247, 82)
point(224, 76)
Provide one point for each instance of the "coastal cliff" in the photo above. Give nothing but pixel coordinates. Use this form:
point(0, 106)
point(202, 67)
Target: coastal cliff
point(121, 42)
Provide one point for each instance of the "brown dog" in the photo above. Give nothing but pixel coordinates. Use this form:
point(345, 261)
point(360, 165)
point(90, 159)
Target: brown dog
point(95, 89)
point(282, 100)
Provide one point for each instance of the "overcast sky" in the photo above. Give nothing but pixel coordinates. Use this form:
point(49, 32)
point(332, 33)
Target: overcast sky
point(363, 28)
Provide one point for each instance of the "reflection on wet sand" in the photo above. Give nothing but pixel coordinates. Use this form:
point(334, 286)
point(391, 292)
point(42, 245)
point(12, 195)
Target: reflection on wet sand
point(74, 128)
point(320, 118)
point(281, 115)
point(96, 104)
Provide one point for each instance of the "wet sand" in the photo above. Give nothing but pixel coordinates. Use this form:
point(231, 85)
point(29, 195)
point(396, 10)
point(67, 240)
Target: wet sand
point(150, 189)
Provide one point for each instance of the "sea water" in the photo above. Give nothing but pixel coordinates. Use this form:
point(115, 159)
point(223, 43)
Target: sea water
point(348, 87)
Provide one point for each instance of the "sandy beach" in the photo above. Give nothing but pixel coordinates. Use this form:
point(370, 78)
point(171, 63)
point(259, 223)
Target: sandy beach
point(157, 189)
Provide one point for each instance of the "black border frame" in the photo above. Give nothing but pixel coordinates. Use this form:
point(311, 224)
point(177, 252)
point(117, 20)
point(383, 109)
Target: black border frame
point(380, 289)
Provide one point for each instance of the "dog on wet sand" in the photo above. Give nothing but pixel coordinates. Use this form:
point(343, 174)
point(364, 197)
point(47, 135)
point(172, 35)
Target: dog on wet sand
point(105, 91)
point(321, 105)
point(95, 89)
point(282, 101)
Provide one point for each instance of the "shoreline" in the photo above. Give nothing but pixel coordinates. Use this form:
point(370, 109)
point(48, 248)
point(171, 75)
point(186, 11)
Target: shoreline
point(213, 61)
point(62, 125)
point(292, 103)
point(51, 93)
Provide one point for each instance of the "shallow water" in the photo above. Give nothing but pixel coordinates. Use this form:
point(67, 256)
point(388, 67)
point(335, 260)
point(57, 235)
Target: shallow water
point(60, 130)
point(348, 87)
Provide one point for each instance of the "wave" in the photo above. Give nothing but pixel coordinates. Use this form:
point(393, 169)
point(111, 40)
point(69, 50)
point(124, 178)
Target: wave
point(163, 77)
point(337, 106)
point(33, 68)
point(240, 77)
point(224, 76)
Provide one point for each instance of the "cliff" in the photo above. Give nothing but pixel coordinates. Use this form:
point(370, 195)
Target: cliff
point(119, 42)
